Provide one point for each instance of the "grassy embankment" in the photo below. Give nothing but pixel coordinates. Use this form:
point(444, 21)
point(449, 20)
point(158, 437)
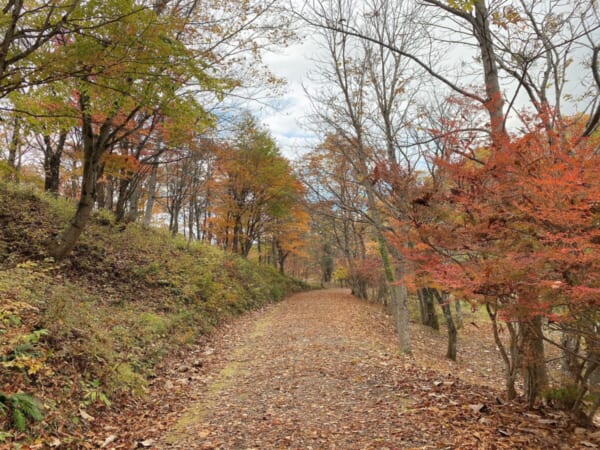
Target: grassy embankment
point(86, 333)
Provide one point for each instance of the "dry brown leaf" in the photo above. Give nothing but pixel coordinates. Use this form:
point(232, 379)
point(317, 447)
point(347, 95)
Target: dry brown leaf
point(109, 440)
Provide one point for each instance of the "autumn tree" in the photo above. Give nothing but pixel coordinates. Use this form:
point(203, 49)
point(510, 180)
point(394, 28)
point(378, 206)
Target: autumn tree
point(288, 231)
point(536, 221)
point(127, 77)
point(515, 229)
point(127, 80)
point(186, 178)
point(253, 187)
point(12, 133)
point(229, 38)
point(525, 54)
point(360, 75)
point(337, 203)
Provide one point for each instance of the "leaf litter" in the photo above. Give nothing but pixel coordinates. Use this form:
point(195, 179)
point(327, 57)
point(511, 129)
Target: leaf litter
point(321, 370)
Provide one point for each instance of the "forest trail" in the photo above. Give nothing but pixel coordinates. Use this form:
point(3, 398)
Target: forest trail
point(320, 371)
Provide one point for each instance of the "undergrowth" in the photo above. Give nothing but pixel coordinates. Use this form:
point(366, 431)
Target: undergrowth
point(83, 334)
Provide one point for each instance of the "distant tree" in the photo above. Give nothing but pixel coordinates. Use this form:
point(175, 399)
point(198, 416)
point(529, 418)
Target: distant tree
point(288, 232)
point(254, 190)
point(337, 205)
point(326, 263)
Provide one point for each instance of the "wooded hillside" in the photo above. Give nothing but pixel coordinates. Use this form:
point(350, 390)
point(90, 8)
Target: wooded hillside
point(80, 335)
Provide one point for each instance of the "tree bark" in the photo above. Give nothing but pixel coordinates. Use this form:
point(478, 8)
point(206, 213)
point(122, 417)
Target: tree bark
point(191, 218)
point(509, 358)
point(442, 299)
point(52, 159)
point(101, 194)
point(235, 240)
point(122, 199)
point(535, 374)
point(398, 295)
point(282, 256)
point(151, 193)
point(570, 366)
point(110, 192)
point(13, 148)
point(85, 205)
point(133, 210)
point(494, 102)
point(74, 181)
point(174, 219)
point(273, 256)
point(94, 146)
point(428, 314)
point(459, 316)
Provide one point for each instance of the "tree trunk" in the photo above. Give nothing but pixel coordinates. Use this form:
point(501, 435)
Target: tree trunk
point(185, 222)
point(398, 297)
point(510, 358)
point(74, 181)
point(246, 246)
point(122, 199)
point(52, 174)
point(422, 311)
point(191, 216)
point(198, 221)
point(13, 148)
point(281, 257)
point(102, 191)
point(442, 299)
point(494, 101)
point(151, 193)
point(459, 316)
point(535, 375)
point(110, 192)
point(593, 392)
point(133, 210)
point(427, 307)
point(273, 256)
point(359, 288)
point(326, 264)
point(570, 366)
point(393, 273)
point(52, 159)
point(398, 294)
point(85, 205)
point(101, 194)
point(235, 242)
point(174, 219)
point(94, 146)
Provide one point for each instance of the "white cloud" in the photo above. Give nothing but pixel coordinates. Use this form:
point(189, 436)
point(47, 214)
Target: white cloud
point(285, 119)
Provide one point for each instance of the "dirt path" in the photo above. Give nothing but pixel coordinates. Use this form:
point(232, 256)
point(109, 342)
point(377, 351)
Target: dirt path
point(320, 371)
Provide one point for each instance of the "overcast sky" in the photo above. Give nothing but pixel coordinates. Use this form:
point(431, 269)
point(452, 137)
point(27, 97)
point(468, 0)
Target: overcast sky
point(285, 119)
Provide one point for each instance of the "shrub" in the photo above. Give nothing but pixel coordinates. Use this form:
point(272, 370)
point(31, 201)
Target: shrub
point(20, 407)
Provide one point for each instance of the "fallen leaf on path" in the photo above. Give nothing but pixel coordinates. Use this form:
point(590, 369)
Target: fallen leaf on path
point(110, 439)
point(84, 415)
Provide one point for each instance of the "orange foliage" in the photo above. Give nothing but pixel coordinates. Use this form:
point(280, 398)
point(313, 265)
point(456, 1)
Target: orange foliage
point(523, 226)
